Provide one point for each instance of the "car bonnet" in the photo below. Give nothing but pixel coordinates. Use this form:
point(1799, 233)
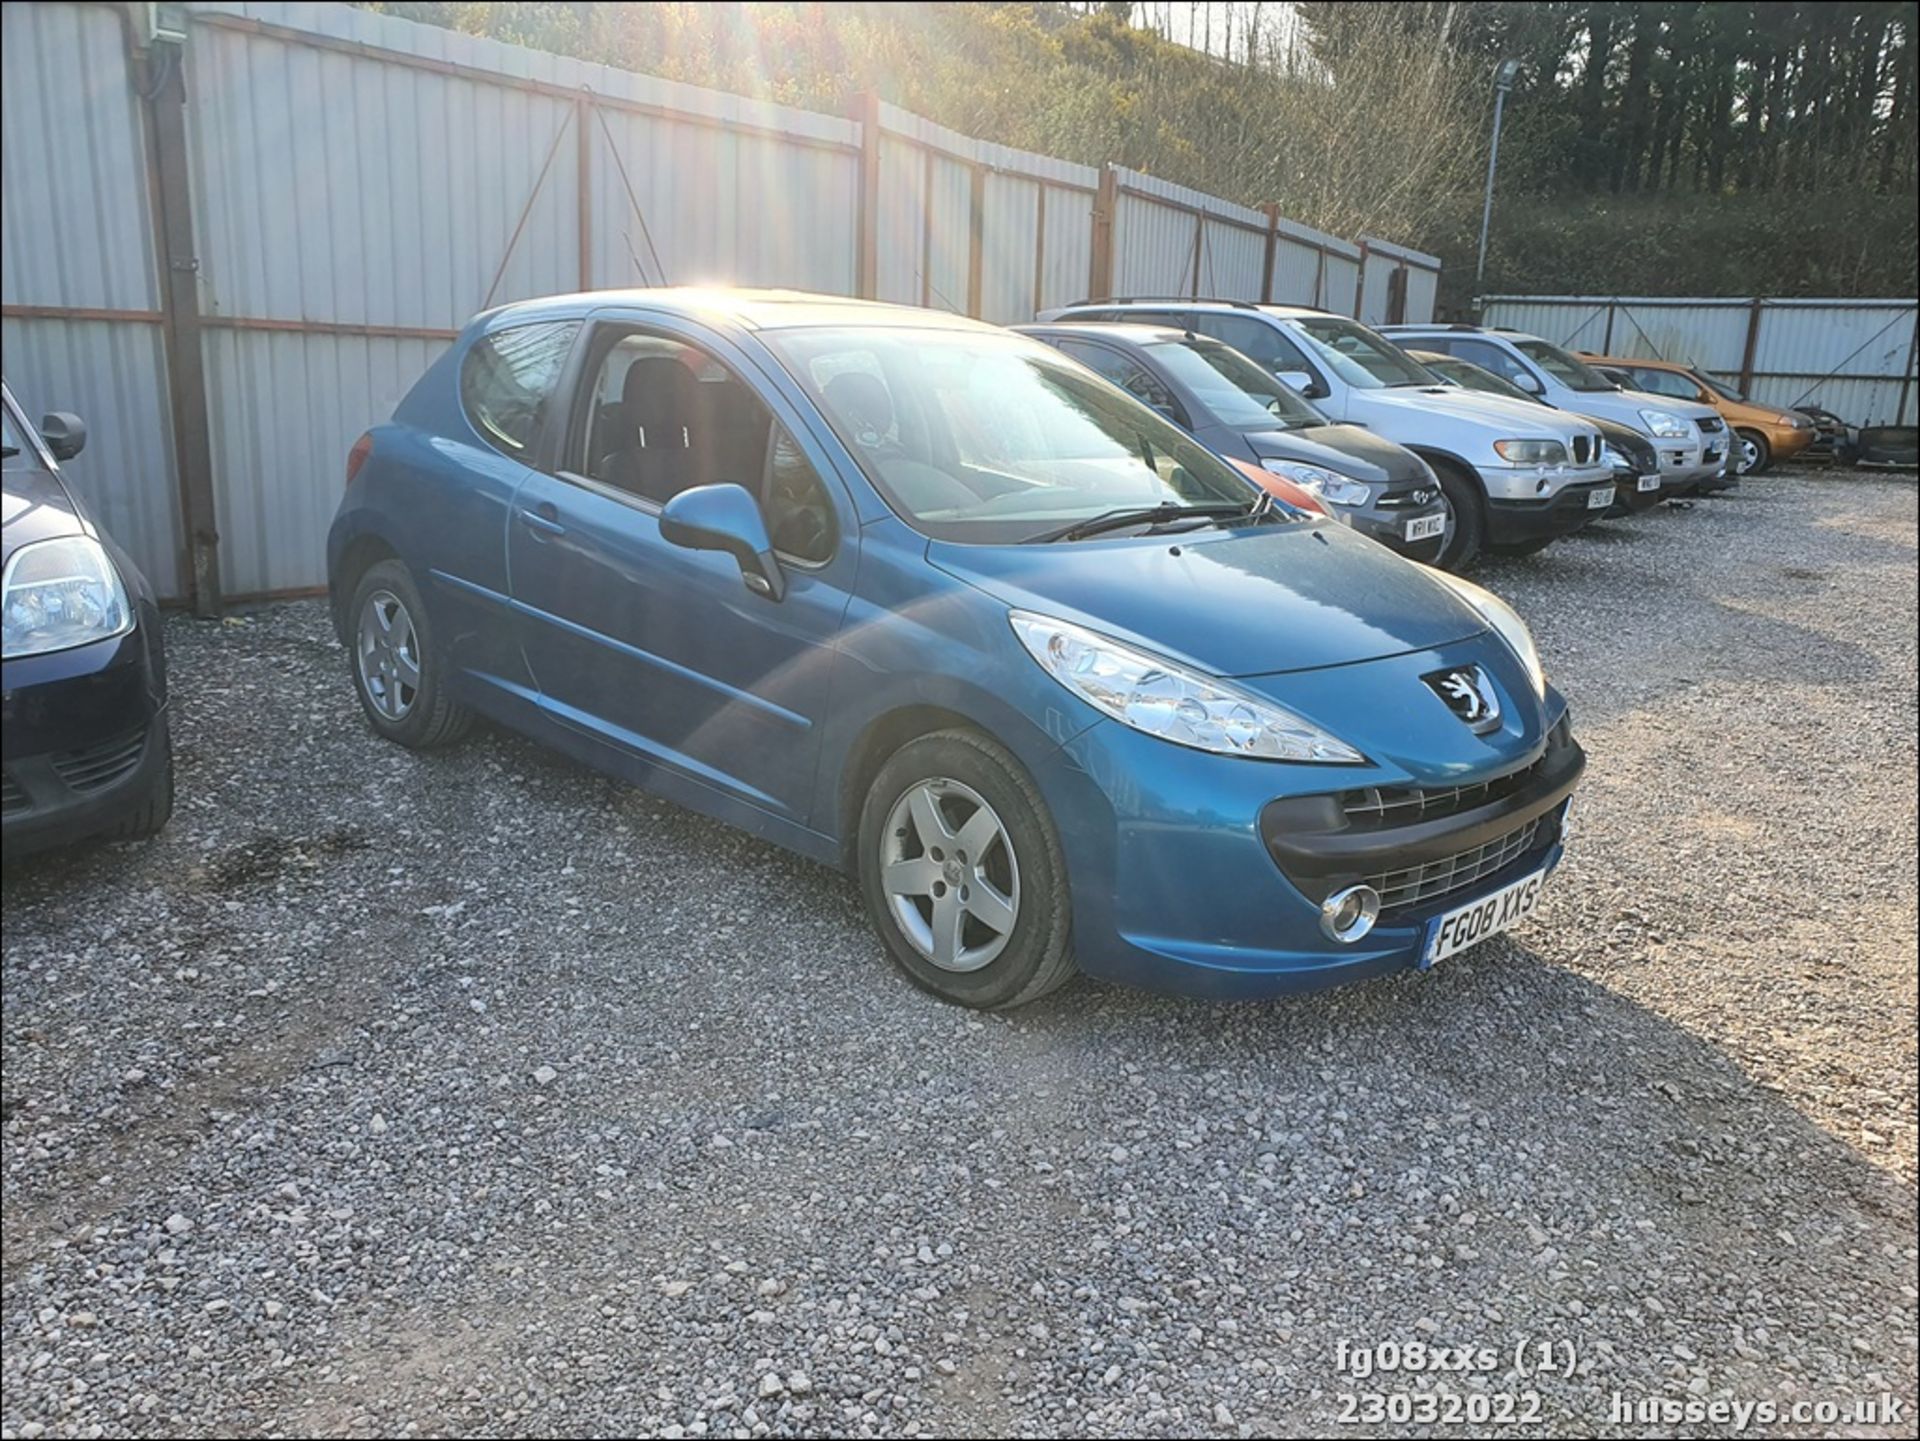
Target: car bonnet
point(1255, 600)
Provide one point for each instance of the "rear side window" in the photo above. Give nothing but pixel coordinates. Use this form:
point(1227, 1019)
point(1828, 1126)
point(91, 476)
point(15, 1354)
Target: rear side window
point(1130, 376)
point(1255, 339)
point(509, 376)
point(1665, 382)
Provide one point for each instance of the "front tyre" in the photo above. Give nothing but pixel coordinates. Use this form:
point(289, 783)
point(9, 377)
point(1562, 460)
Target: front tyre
point(1468, 532)
point(962, 873)
point(1751, 452)
point(396, 672)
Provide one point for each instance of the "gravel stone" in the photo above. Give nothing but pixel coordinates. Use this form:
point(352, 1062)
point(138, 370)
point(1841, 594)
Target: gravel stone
point(1670, 1122)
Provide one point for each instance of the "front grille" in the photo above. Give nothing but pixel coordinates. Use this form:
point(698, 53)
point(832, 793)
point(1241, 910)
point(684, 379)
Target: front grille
point(1417, 884)
point(1583, 449)
point(1711, 425)
point(1402, 805)
point(97, 766)
point(13, 800)
point(1407, 499)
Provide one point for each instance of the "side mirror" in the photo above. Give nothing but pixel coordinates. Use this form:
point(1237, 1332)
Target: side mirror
point(1301, 381)
point(726, 517)
point(64, 432)
point(1528, 382)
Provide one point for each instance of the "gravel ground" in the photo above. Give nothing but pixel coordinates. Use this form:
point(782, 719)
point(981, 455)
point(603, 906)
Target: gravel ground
point(476, 1094)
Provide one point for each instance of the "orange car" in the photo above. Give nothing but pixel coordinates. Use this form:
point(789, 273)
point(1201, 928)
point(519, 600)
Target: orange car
point(1763, 433)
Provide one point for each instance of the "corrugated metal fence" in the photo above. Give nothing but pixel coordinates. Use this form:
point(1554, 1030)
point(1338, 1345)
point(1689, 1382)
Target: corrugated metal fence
point(1852, 357)
point(348, 189)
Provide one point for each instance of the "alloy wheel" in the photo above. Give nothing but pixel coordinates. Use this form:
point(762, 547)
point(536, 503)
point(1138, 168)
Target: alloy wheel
point(950, 875)
point(1749, 453)
point(388, 655)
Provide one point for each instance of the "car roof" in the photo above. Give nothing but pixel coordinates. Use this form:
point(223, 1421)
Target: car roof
point(1635, 360)
point(748, 309)
point(1120, 330)
point(1221, 307)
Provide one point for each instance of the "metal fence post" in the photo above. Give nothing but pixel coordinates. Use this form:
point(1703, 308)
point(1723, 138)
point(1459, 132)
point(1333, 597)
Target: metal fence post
point(1753, 344)
point(1360, 283)
point(166, 107)
point(583, 181)
point(1266, 263)
point(976, 239)
point(1105, 200)
point(866, 263)
point(1040, 248)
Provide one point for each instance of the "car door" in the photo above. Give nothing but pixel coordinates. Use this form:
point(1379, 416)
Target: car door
point(661, 650)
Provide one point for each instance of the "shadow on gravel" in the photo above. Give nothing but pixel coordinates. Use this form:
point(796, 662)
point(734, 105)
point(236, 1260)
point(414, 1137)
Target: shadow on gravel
point(1639, 1117)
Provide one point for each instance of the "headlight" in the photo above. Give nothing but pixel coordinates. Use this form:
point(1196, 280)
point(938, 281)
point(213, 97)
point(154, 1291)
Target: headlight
point(1163, 699)
point(1666, 425)
point(1505, 622)
point(1531, 452)
point(61, 593)
point(1795, 422)
point(1329, 485)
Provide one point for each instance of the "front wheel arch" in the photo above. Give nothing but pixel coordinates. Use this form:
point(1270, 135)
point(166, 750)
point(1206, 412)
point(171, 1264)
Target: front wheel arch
point(1467, 498)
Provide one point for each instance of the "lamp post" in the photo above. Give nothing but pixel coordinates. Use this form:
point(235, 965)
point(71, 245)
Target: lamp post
point(1503, 78)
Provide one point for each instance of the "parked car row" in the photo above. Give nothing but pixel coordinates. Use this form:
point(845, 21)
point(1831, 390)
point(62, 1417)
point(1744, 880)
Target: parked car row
point(1072, 644)
point(1514, 475)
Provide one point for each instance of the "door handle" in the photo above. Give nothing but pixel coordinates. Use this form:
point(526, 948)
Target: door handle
point(543, 520)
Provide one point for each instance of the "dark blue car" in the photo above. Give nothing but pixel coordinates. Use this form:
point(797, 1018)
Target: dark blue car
point(923, 599)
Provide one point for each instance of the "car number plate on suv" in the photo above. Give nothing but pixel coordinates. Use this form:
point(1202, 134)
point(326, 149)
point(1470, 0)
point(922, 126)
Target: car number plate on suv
point(1600, 499)
point(1453, 932)
point(1425, 527)
point(1646, 483)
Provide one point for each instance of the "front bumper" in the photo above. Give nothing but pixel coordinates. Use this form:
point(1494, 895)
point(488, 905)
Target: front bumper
point(1199, 874)
point(86, 740)
point(1388, 525)
point(1787, 441)
point(1628, 498)
point(1513, 522)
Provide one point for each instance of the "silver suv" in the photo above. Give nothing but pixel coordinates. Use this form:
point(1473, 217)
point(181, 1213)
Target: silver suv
point(1517, 476)
point(1691, 438)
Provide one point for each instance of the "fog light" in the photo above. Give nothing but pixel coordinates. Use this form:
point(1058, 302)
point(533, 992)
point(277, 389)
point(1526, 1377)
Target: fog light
point(1346, 916)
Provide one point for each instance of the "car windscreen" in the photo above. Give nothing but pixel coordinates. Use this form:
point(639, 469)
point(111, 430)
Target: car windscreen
point(1718, 387)
point(1236, 392)
point(1468, 376)
point(1359, 357)
point(1569, 370)
point(994, 439)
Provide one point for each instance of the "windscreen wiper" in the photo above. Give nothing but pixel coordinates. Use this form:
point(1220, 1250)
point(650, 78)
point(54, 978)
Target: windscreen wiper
point(1144, 515)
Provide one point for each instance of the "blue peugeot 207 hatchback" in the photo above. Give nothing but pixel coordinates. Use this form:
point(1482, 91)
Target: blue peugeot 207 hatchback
point(927, 600)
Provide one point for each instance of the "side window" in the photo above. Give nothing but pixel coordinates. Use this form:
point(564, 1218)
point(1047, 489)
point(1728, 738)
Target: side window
point(507, 378)
point(1488, 356)
point(1255, 339)
point(663, 416)
point(799, 514)
point(1665, 382)
point(1129, 375)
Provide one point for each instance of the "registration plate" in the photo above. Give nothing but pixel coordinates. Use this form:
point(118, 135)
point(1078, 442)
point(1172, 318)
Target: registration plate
point(1426, 527)
point(1600, 499)
point(1452, 933)
point(1646, 483)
